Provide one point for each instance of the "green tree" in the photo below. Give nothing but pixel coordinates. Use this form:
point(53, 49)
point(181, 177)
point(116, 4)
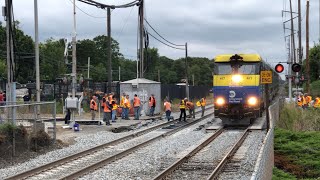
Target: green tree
point(52, 62)
point(314, 63)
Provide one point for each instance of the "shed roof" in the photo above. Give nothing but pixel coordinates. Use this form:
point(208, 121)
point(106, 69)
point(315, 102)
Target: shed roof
point(140, 81)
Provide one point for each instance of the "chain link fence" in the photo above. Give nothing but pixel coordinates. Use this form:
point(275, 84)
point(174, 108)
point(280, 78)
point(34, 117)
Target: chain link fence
point(265, 162)
point(26, 126)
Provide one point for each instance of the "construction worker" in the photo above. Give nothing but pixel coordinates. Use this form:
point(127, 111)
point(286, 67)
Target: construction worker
point(309, 100)
point(152, 105)
point(299, 100)
point(136, 106)
point(123, 97)
point(190, 107)
point(167, 109)
point(93, 107)
point(106, 110)
point(182, 107)
point(304, 101)
point(203, 105)
point(114, 106)
point(316, 103)
point(127, 107)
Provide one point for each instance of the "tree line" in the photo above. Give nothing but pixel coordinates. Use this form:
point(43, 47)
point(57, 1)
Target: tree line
point(53, 64)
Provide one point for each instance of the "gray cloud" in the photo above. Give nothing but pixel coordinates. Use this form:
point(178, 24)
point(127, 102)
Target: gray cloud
point(209, 27)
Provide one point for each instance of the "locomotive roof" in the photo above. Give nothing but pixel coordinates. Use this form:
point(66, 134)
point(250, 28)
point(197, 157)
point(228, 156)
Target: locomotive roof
point(246, 57)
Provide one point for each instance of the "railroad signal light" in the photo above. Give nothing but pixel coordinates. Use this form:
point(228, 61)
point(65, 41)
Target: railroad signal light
point(296, 67)
point(279, 68)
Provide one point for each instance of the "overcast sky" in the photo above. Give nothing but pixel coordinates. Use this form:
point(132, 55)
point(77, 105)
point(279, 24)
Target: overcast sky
point(210, 27)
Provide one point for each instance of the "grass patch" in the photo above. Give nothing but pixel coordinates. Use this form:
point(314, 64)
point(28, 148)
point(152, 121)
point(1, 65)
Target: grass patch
point(297, 119)
point(281, 175)
point(298, 152)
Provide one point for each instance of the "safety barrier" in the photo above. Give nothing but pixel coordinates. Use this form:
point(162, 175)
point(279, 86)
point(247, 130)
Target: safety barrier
point(265, 161)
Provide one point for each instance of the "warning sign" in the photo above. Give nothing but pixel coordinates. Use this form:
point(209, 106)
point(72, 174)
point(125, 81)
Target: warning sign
point(266, 77)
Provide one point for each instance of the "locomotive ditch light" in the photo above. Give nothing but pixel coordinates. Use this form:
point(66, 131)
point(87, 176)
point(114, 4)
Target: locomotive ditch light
point(296, 67)
point(220, 101)
point(279, 68)
point(252, 101)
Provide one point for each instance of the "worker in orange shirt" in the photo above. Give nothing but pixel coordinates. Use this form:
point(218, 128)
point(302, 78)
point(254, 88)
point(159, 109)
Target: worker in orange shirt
point(93, 107)
point(190, 106)
point(152, 105)
point(167, 109)
point(122, 98)
point(136, 106)
point(106, 110)
point(316, 103)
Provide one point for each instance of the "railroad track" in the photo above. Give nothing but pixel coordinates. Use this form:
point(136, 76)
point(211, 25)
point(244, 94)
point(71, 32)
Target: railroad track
point(73, 162)
point(199, 163)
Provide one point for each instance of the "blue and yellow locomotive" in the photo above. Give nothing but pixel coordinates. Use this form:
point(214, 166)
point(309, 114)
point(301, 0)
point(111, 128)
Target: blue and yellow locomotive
point(237, 89)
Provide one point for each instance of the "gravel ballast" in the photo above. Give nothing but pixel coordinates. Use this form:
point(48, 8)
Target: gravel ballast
point(149, 161)
point(243, 162)
point(202, 164)
point(83, 142)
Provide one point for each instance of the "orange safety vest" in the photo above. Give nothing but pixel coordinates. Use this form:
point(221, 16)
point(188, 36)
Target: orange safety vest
point(93, 105)
point(152, 101)
point(203, 102)
point(304, 101)
point(105, 107)
point(317, 102)
point(136, 102)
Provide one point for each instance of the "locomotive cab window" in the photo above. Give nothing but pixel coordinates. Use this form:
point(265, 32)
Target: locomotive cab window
point(244, 68)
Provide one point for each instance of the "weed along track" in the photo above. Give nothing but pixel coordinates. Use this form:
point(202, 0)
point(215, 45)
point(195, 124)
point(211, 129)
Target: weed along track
point(87, 161)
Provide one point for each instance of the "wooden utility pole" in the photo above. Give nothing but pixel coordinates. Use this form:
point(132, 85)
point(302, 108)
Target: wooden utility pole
point(299, 32)
point(307, 48)
point(141, 14)
point(109, 49)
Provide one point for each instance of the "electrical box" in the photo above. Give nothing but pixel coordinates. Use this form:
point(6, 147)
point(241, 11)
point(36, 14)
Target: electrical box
point(71, 103)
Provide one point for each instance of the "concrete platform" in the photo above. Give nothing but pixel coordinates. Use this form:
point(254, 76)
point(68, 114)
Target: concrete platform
point(259, 124)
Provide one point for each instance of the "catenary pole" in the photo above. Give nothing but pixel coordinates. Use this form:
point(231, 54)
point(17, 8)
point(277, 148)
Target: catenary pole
point(36, 37)
point(141, 13)
point(74, 58)
point(109, 50)
point(186, 64)
point(307, 48)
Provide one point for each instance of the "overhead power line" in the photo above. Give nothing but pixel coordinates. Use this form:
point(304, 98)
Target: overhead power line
point(103, 6)
point(164, 42)
point(97, 17)
point(160, 35)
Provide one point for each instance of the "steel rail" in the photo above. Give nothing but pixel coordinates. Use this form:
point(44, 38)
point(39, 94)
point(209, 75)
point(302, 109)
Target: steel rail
point(226, 158)
point(66, 159)
point(124, 153)
point(165, 173)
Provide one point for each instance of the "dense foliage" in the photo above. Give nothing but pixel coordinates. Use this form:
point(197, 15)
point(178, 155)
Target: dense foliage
point(54, 65)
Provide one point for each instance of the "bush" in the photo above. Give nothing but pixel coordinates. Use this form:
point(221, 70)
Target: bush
point(281, 175)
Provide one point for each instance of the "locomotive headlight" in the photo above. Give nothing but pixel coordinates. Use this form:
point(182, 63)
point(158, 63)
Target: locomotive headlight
point(220, 101)
point(236, 78)
point(252, 101)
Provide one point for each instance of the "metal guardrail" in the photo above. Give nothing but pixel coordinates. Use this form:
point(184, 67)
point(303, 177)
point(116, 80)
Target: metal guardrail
point(265, 162)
